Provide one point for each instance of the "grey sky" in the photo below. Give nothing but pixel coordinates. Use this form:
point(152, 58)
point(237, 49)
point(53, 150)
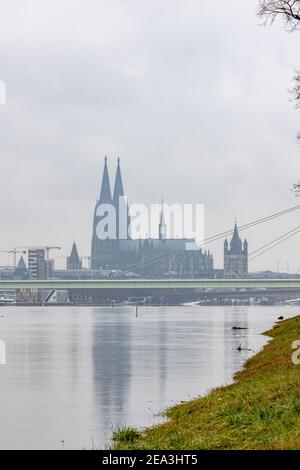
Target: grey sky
point(191, 95)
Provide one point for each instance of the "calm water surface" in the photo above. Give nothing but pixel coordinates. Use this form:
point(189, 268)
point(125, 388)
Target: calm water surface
point(73, 374)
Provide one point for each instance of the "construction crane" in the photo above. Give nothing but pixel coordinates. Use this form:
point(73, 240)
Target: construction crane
point(14, 251)
point(49, 248)
point(46, 248)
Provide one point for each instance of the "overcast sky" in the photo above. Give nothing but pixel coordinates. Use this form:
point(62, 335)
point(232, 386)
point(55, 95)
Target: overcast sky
point(191, 95)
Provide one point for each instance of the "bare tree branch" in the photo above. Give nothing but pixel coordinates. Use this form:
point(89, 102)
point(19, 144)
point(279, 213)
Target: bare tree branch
point(295, 91)
point(295, 94)
point(288, 10)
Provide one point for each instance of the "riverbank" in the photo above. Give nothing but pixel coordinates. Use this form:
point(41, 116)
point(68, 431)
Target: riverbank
point(260, 410)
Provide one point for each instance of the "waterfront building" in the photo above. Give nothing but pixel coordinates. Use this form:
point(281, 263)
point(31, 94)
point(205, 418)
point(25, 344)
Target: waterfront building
point(7, 272)
point(37, 263)
point(27, 296)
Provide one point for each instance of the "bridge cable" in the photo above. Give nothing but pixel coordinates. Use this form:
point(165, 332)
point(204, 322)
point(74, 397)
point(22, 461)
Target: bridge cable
point(214, 237)
point(274, 245)
point(273, 241)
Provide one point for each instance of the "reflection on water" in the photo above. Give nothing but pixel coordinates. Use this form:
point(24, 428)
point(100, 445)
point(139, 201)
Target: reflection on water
point(74, 373)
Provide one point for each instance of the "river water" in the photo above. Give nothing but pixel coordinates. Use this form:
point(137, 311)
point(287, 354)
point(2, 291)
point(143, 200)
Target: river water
point(73, 374)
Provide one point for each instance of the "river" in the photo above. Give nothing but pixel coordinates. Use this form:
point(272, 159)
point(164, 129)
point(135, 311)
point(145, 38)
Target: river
point(73, 374)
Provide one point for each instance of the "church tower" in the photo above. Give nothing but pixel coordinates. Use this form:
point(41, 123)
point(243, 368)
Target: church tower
point(235, 256)
point(105, 192)
point(121, 207)
point(101, 249)
point(162, 225)
point(73, 261)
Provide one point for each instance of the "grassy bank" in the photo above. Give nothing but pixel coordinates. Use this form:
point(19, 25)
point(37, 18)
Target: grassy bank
point(261, 410)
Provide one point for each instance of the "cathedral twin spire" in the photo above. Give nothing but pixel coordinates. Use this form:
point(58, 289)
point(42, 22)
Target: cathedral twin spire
point(107, 197)
point(118, 189)
point(105, 192)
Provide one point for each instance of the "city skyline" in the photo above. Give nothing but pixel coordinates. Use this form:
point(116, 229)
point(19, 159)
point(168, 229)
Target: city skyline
point(61, 259)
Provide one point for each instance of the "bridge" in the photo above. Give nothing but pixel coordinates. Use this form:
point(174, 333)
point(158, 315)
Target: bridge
point(274, 294)
point(116, 284)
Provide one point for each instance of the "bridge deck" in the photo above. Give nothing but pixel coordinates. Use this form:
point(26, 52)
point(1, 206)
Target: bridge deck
point(152, 284)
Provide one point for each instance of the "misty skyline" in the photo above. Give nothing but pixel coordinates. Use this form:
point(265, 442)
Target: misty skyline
point(192, 96)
